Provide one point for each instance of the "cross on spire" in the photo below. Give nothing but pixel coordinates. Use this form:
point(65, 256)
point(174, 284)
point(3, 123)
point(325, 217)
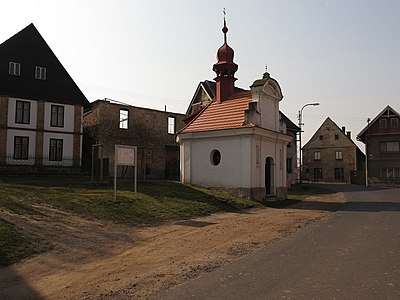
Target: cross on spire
point(224, 29)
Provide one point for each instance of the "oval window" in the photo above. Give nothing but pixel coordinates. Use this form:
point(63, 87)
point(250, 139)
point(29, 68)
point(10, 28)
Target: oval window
point(215, 157)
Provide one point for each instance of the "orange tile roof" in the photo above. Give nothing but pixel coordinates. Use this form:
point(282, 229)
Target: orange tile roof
point(218, 116)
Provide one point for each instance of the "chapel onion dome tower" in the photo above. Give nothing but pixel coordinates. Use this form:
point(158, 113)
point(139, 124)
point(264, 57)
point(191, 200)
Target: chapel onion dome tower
point(225, 69)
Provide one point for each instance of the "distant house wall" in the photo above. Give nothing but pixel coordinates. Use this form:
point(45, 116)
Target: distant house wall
point(28, 141)
point(69, 118)
point(382, 140)
point(11, 114)
point(292, 170)
point(39, 133)
point(380, 163)
point(330, 155)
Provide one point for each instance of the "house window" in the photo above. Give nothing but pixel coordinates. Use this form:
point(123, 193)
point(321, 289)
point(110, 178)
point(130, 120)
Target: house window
point(22, 112)
point(336, 136)
point(338, 155)
point(339, 173)
point(57, 116)
point(215, 157)
point(394, 122)
point(317, 173)
point(14, 68)
point(123, 118)
point(390, 173)
point(321, 137)
point(40, 73)
point(389, 147)
point(382, 123)
point(171, 125)
point(289, 165)
point(21, 145)
point(317, 155)
point(56, 150)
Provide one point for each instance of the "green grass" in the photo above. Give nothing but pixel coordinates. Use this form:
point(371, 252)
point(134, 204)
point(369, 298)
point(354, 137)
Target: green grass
point(13, 245)
point(156, 202)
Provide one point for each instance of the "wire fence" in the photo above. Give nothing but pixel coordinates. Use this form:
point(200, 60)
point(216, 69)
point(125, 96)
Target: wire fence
point(35, 160)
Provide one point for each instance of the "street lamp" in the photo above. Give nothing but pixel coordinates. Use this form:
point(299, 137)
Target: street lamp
point(366, 153)
point(300, 125)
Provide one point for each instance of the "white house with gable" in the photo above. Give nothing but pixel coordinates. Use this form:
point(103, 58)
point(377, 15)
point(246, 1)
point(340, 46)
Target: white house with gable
point(238, 142)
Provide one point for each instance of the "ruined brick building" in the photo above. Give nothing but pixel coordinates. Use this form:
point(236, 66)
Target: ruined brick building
point(152, 131)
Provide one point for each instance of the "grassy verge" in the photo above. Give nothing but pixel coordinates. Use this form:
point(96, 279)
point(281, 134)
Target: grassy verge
point(13, 245)
point(156, 202)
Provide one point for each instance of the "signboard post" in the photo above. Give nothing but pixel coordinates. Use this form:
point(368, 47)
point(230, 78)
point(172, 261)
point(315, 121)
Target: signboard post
point(125, 156)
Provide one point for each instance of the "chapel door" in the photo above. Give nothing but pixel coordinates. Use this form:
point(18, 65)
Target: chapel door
point(268, 175)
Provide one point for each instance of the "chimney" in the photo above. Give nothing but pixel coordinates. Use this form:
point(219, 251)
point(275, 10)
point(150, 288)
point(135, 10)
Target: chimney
point(344, 129)
point(348, 133)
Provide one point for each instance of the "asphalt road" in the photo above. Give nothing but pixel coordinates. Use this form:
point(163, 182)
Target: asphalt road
point(352, 254)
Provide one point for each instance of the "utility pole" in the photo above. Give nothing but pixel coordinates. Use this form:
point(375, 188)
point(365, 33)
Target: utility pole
point(301, 130)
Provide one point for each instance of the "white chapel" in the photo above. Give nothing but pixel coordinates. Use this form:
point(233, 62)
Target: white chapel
point(237, 143)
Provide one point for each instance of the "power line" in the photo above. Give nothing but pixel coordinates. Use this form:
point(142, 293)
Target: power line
point(134, 94)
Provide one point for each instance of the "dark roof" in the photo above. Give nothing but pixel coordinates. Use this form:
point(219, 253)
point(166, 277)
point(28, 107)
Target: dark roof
point(289, 124)
point(385, 110)
point(28, 48)
point(209, 86)
point(327, 120)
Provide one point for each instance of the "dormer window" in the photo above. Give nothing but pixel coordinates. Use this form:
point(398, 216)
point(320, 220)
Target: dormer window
point(40, 73)
point(14, 68)
point(394, 122)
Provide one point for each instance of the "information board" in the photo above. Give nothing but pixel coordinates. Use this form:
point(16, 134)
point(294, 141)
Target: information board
point(125, 156)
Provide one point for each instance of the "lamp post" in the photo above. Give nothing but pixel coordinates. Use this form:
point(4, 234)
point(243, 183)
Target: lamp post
point(366, 153)
point(300, 126)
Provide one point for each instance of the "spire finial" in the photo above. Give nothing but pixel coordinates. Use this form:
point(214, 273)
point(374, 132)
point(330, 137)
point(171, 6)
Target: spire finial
point(266, 74)
point(224, 29)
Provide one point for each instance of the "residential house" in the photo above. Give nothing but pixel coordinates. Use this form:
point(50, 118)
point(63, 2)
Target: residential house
point(238, 142)
point(331, 155)
point(382, 139)
point(109, 123)
point(41, 108)
point(206, 92)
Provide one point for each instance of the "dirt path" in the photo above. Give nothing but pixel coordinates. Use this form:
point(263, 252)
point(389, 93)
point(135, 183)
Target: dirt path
point(99, 260)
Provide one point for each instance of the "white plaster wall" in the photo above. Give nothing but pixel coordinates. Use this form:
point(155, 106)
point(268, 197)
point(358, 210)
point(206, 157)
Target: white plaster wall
point(238, 167)
point(185, 161)
point(69, 117)
point(67, 148)
point(257, 166)
point(231, 172)
point(12, 105)
point(269, 110)
point(11, 133)
point(277, 151)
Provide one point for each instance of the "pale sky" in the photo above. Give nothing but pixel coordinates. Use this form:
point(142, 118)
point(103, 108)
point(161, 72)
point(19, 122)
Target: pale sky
point(344, 54)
